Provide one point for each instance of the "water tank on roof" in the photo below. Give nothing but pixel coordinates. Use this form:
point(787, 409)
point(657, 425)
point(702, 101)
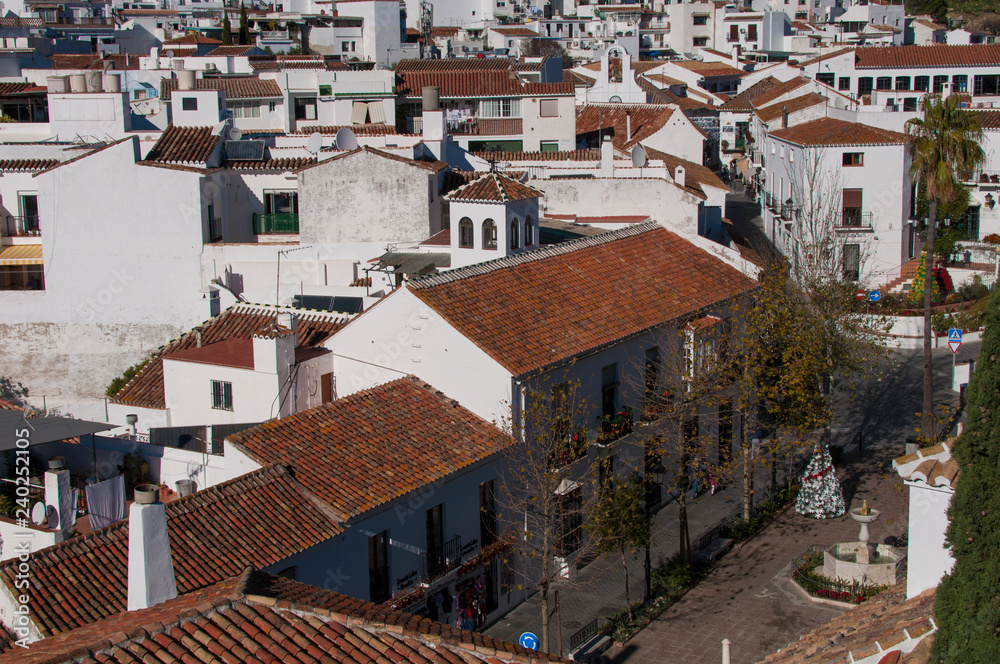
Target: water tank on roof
point(77, 83)
point(185, 79)
point(57, 84)
point(112, 83)
point(431, 97)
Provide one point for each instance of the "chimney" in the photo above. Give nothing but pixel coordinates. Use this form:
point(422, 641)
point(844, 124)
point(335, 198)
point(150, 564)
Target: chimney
point(131, 419)
point(736, 56)
point(607, 157)
point(274, 347)
point(784, 117)
point(289, 321)
point(197, 338)
point(59, 496)
point(150, 567)
point(679, 176)
point(433, 121)
point(628, 125)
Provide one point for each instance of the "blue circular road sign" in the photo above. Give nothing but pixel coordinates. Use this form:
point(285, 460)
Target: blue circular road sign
point(874, 296)
point(529, 641)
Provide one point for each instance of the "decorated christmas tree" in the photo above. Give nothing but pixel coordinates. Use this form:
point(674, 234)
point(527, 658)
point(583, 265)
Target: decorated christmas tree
point(820, 496)
point(917, 285)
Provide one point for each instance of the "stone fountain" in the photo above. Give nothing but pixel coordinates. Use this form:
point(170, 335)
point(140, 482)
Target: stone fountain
point(862, 561)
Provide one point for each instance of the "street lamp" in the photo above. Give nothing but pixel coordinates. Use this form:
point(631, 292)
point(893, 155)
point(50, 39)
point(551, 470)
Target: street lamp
point(658, 472)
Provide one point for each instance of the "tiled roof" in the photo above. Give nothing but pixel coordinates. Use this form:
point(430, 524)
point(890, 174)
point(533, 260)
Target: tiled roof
point(7, 405)
point(830, 132)
point(743, 101)
point(26, 165)
point(433, 166)
point(184, 145)
point(366, 449)
point(21, 22)
point(577, 79)
point(709, 69)
point(237, 87)
point(515, 32)
point(933, 465)
point(8, 89)
point(281, 62)
point(278, 164)
point(988, 119)
point(696, 176)
point(227, 51)
point(774, 111)
point(238, 322)
point(826, 56)
point(148, 12)
point(565, 300)
point(664, 79)
point(934, 55)
point(236, 353)
point(562, 155)
point(192, 38)
point(453, 64)
point(440, 239)
point(638, 66)
point(444, 31)
point(873, 627)
point(929, 24)
point(494, 188)
point(470, 83)
point(255, 617)
point(646, 120)
point(214, 534)
point(766, 97)
point(358, 129)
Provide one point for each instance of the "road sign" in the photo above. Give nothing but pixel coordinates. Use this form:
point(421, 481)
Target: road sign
point(861, 294)
point(874, 296)
point(954, 339)
point(529, 641)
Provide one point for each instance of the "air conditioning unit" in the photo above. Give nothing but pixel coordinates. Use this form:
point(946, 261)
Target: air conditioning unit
point(210, 66)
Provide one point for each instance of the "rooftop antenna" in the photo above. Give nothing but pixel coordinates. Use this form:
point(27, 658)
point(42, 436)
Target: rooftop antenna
point(315, 143)
point(426, 27)
point(346, 139)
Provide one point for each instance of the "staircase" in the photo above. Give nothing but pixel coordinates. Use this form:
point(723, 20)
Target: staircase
point(901, 283)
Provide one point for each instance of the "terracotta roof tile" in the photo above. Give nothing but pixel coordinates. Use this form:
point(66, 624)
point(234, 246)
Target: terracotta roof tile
point(20, 88)
point(775, 111)
point(638, 66)
point(273, 164)
point(709, 69)
point(830, 132)
point(461, 83)
point(237, 87)
point(453, 64)
point(494, 188)
point(562, 155)
point(184, 145)
point(988, 119)
point(230, 51)
point(515, 32)
point(933, 465)
point(666, 277)
point(929, 24)
point(696, 176)
point(148, 12)
point(646, 120)
point(934, 55)
point(364, 450)
point(358, 129)
point(256, 617)
point(766, 97)
point(26, 165)
point(664, 79)
point(826, 56)
point(744, 100)
point(237, 322)
point(84, 579)
point(191, 38)
point(433, 166)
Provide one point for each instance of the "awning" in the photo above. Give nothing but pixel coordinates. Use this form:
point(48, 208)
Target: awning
point(376, 112)
point(743, 164)
point(412, 263)
point(359, 112)
point(41, 430)
point(21, 254)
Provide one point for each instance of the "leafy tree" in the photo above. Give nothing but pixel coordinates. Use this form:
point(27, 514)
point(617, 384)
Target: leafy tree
point(536, 48)
point(244, 34)
point(936, 8)
point(227, 30)
point(967, 607)
point(946, 149)
point(119, 382)
point(621, 524)
point(13, 391)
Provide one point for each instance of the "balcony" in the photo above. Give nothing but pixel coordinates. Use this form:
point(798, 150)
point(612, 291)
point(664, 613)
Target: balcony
point(476, 126)
point(22, 226)
point(78, 20)
point(988, 177)
point(444, 561)
point(855, 218)
point(276, 223)
point(613, 427)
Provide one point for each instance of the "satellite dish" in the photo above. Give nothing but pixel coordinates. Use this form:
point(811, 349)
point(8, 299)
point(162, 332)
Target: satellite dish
point(235, 134)
point(39, 515)
point(315, 143)
point(220, 129)
point(346, 140)
point(639, 158)
point(168, 54)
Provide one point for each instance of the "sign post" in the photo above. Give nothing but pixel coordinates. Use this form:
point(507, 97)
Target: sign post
point(954, 342)
point(529, 641)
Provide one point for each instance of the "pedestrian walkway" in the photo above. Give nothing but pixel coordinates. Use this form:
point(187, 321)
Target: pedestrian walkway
point(599, 588)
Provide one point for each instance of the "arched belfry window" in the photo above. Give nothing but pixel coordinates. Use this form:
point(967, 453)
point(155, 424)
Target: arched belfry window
point(514, 232)
point(465, 231)
point(529, 233)
point(489, 234)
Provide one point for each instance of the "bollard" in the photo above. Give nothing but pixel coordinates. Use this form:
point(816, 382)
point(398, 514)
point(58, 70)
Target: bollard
point(725, 651)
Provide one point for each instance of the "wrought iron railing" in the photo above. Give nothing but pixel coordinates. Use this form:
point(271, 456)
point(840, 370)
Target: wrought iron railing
point(26, 226)
point(855, 218)
point(450, 557)
point(278, 223)
point(584, 634)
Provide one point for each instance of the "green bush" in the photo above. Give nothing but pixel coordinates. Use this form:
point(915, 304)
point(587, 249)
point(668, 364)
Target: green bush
point(121, 381)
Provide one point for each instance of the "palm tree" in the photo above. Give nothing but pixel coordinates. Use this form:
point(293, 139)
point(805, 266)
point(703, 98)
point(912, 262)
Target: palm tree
point(946, 149)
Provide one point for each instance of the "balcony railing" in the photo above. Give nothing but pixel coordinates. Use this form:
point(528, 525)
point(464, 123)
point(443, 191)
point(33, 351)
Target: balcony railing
point(988, 177)
point(476, 126)
point(21, 226)
point(79, 20)
point(855, 218)
point(275, 223)
point(789, 212)
point(450, 558)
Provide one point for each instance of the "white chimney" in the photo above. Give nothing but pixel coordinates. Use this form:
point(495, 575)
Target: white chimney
point(679, 176)
point(607, 157)
point(59, 496)
point(274, 348)
point(628, 125)
point(150, 568)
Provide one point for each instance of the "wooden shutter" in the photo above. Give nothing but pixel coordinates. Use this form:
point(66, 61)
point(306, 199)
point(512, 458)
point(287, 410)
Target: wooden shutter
point(852, 198)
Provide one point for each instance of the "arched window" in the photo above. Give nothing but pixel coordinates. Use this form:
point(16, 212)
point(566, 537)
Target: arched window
point(465, 238)
point(515, 227)
point(529, 235)
point(489, 234)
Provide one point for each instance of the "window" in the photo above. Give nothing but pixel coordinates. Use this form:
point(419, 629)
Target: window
point(500, 108)
point(571, 523)
point(271, 106)
point(986, 85)
point(864, 85)
point(752, 32)
point(699, 346)
point(827, 78)
point(883, 83)
point(487, 514)
point(529, 232)
point(465, 233)
point(28, 207)
point(548, 108)
point(652, 377)
point(734, 33)
point(609, 390)
point(939, 83)
point(189, 103)
point(222, 395)
point(378, 567)
point(910, 104)
point(922, 83)
point(514, 226)
point(852, 207)
point(281, 202)
point(852, 262)
point(972, 223)
point(700, 41)
point(347, 46)
point(489, 234)
point(960, 83)
point(844, 83)
point(244, 109)
point(325, 90)
point(700, 20)
point(854, 159)
point(549, 146)
point(139, 94)
point(902, 82)
point(305, 108)
point(435, 539)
